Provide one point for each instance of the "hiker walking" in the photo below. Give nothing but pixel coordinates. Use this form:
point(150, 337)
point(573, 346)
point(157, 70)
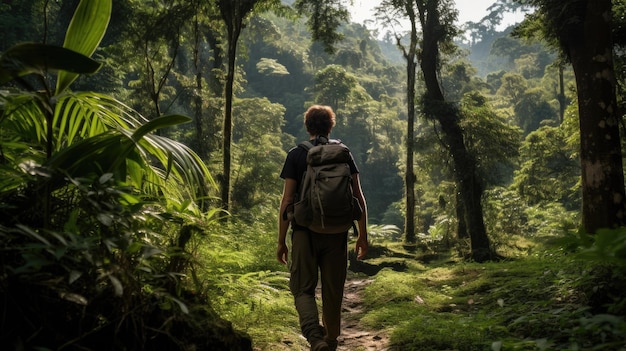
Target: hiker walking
point(322, 198)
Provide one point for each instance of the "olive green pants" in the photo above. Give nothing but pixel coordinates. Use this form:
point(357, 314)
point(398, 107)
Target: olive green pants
point(327, 254)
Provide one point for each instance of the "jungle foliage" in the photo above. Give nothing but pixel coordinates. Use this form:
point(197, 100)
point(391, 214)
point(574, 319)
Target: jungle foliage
point(111, 211)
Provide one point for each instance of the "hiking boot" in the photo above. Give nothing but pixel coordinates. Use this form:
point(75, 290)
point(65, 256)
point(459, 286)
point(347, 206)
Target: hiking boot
point(319, 345)
point(332, 344)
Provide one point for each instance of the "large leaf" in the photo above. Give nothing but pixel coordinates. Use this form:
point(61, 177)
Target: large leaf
point(90, 156)
point(86, 114)
point(158, 123)
point(147, 161)
point(28, 58)
point(175, 158)
point(85, 32)
point(96, 134)
point(178, 160)
point(22, 119)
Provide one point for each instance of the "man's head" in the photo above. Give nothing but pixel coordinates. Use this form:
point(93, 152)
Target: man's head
point(319, 120)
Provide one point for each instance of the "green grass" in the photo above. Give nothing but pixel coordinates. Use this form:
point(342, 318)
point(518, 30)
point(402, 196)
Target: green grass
point(532, 303)
point(247, 286)
point(539, 301)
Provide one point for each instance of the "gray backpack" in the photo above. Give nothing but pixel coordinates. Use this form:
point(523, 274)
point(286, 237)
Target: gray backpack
point(325, 202)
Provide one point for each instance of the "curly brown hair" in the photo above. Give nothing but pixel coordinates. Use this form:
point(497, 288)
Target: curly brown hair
point(319, 120)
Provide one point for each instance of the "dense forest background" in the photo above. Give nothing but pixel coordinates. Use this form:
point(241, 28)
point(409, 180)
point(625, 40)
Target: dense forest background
point(115, 222)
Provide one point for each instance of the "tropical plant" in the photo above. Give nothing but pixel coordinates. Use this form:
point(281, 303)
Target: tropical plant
point(62, 129)
point(95, 210)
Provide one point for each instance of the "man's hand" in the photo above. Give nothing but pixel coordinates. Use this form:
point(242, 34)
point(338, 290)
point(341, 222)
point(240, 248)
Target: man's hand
point(282, 252)
point(361, 248)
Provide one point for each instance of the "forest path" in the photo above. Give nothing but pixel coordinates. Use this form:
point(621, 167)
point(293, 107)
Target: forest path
point(354, 336)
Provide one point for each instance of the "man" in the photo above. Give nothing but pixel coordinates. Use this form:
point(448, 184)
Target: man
point(312, 251)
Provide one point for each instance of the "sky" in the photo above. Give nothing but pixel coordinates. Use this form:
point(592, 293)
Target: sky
point(469, 10)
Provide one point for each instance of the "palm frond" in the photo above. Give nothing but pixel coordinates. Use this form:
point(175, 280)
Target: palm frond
point(84, 33)
point(86, 114)
point(22, 118)
point(95, 134)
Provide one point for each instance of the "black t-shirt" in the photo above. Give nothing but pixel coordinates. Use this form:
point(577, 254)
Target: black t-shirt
point(295, 164)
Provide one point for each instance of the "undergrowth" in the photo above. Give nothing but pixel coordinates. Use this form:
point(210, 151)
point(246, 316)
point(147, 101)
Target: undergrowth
point(554, 298)
point(551, 300)
point(247, 286)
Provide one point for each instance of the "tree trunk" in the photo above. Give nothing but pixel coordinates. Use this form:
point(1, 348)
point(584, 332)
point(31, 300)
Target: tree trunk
point(216, 88)
point(435, 106)
point(469, 184)
point(233, 13)
point(600, 149)
point(197, 101)
point(409, 178)
point(461, 228)
point(228, 119)
point(561, 97)
point(410, 56)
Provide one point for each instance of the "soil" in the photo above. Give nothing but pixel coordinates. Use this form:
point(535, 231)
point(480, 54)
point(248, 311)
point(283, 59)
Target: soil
point(355, 337)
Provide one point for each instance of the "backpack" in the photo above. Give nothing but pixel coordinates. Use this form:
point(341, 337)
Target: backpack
point(325, 202)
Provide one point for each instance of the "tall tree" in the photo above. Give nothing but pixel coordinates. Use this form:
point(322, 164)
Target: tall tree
point(205, 27)
point(197, 65)
point(234, 14)
point(325, 16)
point(583, 32)
point(388, 12)
point(437, 30)
point(333, 86)
point(144, 47)
point(437, 26)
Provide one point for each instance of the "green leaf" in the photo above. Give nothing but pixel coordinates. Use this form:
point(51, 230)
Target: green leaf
point(117, 285)
point(158, 123)
point(33, 233)
point(75, 298)
point(84, 33)
point(74, 275)
point(181, 305)
point(27, 58)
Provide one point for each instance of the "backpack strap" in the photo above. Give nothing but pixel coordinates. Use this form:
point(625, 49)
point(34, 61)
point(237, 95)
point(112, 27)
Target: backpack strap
point(321, 140)
point(288, 212)
point(306, 145)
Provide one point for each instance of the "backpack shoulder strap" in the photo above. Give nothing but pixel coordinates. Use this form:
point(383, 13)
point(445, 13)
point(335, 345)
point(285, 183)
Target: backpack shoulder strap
point(306, 145)
point(334, 141)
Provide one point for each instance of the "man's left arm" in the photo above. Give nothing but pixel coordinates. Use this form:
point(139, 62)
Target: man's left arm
point(362, 244)
point(289, 191)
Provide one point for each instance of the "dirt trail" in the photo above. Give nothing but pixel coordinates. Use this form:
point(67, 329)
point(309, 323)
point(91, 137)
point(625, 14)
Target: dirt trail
point(354, 336)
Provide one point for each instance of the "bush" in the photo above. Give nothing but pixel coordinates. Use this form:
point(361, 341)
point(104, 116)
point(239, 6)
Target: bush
point(100, 276)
